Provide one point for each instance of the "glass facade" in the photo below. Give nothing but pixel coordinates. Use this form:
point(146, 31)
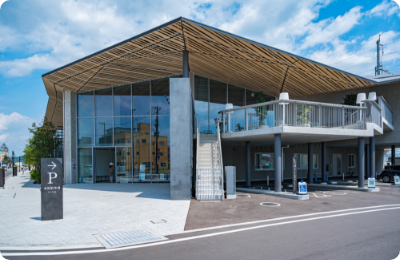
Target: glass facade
point(133, 121)
point(211, 96)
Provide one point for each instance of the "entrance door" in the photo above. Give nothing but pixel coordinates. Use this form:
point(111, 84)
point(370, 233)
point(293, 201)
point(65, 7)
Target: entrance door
point(101, 161)
point(337, 165)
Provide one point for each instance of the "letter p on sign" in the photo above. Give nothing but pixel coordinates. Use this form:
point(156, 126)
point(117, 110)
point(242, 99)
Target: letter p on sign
point(50, 176)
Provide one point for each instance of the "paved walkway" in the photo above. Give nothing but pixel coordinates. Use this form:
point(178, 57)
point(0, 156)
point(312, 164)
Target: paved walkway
point(88, 209)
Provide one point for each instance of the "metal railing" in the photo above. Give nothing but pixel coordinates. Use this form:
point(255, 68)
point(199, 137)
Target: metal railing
point(221, 164)
point(197, 154)
point(293, 113)
point(386, 111)
point(373, 113)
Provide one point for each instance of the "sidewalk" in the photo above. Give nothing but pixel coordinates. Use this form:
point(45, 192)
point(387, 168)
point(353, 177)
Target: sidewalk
point(88, 209)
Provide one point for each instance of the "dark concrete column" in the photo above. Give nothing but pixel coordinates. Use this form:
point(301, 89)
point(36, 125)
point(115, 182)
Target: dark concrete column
point(323, 160)
point(248, 164)
point(367, 161)
point(310, 162)
point(186, 64)
point(361, 161)
point(393, 154)
point(372, 156)
point(278, 162)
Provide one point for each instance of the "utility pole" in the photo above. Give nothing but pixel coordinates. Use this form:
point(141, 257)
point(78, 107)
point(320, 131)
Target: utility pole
point(378, 67)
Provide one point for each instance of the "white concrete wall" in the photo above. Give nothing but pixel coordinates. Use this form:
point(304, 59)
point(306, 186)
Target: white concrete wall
point(69, 139)
point(181, 129)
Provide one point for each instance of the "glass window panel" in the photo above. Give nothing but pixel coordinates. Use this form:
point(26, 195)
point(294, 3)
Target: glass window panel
point(160, 153)
point(124, 164)
point(122, 101)
point(86, 104)
point(85, 131)
point(236, 96)
point(264, 161)
point(122, 131)
point(315, 161)
point(141, 150)
point(104, 131)
point(217, 102)
point(302, 160)
point(160, 97)
point(201, 102)
point(141, 98)
point(103, 102)
point(85, 169)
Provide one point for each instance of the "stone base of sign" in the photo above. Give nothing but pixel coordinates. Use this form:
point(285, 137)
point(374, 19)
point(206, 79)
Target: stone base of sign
point(343, 187)
point(287, 195)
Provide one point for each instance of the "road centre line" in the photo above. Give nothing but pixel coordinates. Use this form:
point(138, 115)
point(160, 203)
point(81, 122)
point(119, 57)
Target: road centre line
point(196, 237)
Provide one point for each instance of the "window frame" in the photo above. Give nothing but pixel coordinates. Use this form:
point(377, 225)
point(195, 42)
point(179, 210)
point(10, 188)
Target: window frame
point(298, 161)
point(255, 162)
point(348, 161)
point(315, 168)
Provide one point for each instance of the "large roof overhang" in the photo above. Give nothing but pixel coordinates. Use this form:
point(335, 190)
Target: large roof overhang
point(212, 53)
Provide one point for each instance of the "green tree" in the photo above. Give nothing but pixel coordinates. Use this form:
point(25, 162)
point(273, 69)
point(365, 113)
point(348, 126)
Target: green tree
point(42, 144)
point(350, 100)
point(261, 111)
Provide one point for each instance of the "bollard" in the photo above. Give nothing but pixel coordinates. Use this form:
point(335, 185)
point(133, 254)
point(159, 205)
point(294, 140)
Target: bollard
point(302, 190)
point(396, 179)
point(15, 171)
point(371, 183)
point(327, 177)
point(2, 177)
point(267, 180)
point(315, 177)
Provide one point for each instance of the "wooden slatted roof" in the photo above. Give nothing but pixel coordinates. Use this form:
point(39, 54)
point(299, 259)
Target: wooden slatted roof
point(212, 53)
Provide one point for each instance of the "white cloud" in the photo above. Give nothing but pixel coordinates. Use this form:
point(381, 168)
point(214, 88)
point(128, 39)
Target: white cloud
point(386, 8)
point(14, 131)
point(68, 30)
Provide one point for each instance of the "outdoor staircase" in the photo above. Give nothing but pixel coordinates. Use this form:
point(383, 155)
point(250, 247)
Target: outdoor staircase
point(209, 181)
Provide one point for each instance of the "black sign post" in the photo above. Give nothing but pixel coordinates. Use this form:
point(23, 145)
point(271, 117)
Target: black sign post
point(294, 175)
point(52, 189)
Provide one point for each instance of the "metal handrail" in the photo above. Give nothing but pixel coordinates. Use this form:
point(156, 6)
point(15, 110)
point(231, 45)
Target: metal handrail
point(291, 101)
point(384, 101)
point(220, 157)
point(197, 154)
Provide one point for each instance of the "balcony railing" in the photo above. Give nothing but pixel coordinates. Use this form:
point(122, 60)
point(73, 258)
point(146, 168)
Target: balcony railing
point(373, 113)
point(386, 111)
point(293, 113)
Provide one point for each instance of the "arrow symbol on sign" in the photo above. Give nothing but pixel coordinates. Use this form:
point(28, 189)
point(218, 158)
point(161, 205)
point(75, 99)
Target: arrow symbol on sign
point(54, 165)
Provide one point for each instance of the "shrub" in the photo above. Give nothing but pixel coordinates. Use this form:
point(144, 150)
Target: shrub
point(35, 175)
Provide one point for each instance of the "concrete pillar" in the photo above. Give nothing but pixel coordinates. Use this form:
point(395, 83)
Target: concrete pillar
point(248, 164)
point(69, 138)
point(367, 161)
point(186, 64)
point(393, 155)
point(361, 161)
point(372, 156)
point(181, 138)
point(278, 162)
point(310, 163)
point(323, 160)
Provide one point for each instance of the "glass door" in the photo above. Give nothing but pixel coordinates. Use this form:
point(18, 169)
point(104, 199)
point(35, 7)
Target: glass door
point(337, 165)
point(123, 166)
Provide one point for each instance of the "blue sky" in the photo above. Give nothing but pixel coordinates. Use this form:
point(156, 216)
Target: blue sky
point(37, 36)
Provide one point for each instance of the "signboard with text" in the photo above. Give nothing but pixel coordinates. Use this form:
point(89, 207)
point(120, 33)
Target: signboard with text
point(52, 189)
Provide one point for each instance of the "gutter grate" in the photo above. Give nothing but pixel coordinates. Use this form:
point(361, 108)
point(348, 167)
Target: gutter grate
point(243, 196)
point(270, 204)
point(119, 239)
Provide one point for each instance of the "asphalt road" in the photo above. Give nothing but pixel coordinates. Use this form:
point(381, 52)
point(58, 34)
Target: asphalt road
point(8, 172)
point(370, 233)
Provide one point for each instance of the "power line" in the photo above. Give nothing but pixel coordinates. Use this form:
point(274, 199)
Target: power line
point(369, 60)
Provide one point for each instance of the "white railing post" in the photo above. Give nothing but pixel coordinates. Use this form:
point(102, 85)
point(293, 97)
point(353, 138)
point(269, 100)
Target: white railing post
point(342, 117)
point(246, 124)
point(229, 121)
point(223, 122)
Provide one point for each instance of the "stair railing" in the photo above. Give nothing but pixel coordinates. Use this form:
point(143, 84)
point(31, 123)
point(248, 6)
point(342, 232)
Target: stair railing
point(221, 164)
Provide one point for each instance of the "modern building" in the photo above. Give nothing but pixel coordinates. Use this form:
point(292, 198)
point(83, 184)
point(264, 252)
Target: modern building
point(178, 102)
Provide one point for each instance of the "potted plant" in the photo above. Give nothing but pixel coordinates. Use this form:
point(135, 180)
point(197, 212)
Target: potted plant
point(262, 111)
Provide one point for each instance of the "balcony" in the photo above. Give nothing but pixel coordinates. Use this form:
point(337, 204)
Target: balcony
point(312, 121)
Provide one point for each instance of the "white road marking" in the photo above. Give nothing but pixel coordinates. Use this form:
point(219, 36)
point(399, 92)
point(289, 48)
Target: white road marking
point(202, 236)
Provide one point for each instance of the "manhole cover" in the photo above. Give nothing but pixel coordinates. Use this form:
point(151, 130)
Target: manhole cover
point(270, 204)
point(243, 196)
point(118, 239)
point(326, 203)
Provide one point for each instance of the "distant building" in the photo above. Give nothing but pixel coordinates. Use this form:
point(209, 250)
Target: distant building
point(3, 152)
